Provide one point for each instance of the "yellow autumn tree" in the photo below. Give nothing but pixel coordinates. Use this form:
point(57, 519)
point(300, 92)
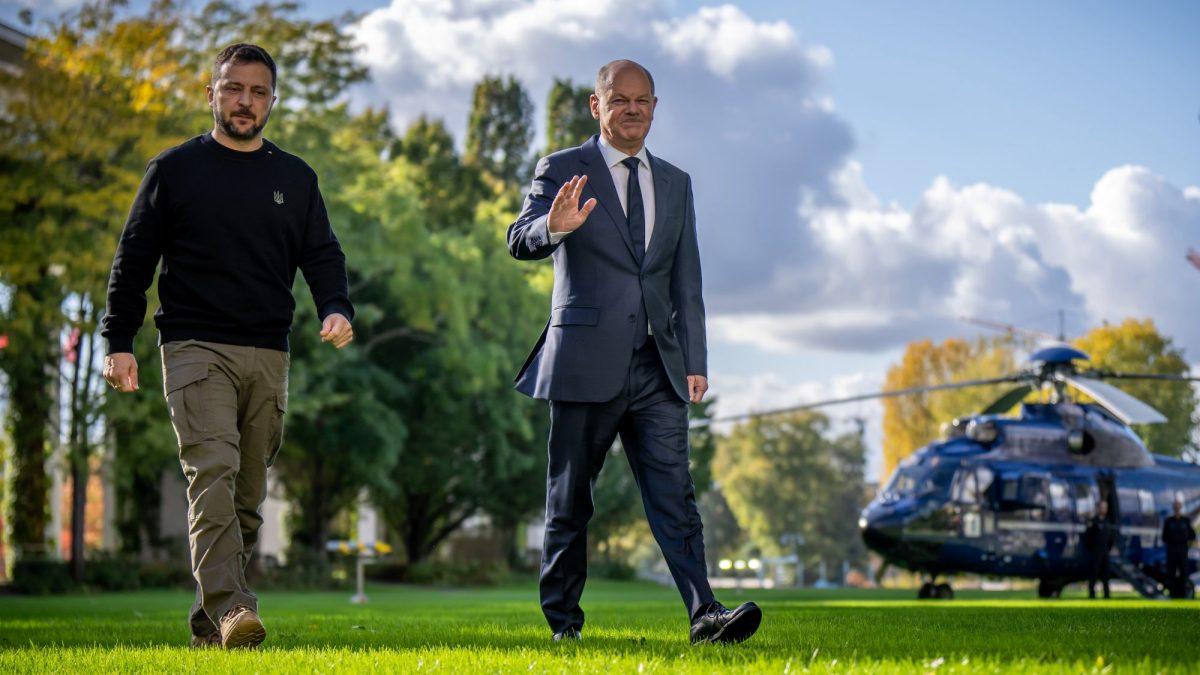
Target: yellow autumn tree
point(910, 422)
point(1136, 346)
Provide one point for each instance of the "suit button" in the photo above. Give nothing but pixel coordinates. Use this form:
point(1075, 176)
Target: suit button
point(632, 318)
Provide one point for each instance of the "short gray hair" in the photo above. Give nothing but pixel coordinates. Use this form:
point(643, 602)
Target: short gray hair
point(604, 78)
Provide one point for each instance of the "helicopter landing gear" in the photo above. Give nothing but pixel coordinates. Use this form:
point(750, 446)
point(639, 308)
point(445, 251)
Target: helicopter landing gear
point(1048, 588)
point(931, 591)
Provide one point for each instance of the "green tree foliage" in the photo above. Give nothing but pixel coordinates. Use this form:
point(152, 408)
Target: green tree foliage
point(569, 120)
point(790, 474)
point(469, 433)
point(500, 129)
point(1136, 346)
point(342, 432)
point(96, 97)
point(449, 191)
point(420, 408)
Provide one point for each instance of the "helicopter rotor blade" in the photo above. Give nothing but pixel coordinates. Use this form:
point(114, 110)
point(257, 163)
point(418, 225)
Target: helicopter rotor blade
point(879, 394)
point(1140, 376)
point(1007, 401)
point(1129, 409)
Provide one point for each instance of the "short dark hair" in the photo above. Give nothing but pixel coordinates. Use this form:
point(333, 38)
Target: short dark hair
point(243, 52)
point(604, 78)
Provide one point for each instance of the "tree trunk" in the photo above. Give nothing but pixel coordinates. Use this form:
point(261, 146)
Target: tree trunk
point(77, 444)
point(30, 363)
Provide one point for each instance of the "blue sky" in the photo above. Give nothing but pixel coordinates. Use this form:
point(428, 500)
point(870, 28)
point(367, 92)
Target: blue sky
point(1038, 97)
point(922, 160)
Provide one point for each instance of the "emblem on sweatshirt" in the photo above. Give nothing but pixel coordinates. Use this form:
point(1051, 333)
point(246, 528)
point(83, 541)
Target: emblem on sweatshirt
point(278, 197)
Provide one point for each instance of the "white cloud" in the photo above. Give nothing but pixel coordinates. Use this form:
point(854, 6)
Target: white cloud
point(878, 275)
point(740, 102)
point(798, 251)
point(730, 43)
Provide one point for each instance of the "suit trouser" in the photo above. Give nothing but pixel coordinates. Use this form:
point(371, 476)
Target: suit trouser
point(1099, 573)
point(227, 404)
point(1176, 570)
point(652, 422)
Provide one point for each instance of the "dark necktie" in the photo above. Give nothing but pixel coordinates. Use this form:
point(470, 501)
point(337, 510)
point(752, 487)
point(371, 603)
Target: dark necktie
point(635, 210)
point(635, 213)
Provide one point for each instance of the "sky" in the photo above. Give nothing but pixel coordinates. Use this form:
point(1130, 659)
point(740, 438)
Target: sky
point(866, 173)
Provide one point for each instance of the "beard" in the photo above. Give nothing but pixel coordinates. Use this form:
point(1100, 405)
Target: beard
point(227, 126)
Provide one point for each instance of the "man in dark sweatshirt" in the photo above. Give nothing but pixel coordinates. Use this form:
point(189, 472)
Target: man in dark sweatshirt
point(232, 217)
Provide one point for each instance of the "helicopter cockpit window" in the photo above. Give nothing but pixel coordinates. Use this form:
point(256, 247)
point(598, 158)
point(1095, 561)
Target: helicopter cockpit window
point(903, 483)
point(1146, 498)
point(1127, 498)
point(983, 478)
point(966, 487)
point(1085, 500)
point(1058, 497)
point(1009, 489)
point(1033, 491)
point(912, 481)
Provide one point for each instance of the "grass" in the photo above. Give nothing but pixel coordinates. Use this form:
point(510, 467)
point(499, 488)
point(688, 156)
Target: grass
point(632, 627)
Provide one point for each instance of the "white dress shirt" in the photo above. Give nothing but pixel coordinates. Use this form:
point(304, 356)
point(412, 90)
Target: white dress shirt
point(620, 175)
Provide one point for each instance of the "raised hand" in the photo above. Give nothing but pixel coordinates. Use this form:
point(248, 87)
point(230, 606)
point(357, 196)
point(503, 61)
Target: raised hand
point(565, 213)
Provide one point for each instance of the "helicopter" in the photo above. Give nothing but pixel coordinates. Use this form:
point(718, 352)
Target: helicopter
point(1010, 496)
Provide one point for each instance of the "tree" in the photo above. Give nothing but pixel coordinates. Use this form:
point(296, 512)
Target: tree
point(93, 99)
point(787, 474)
point(470, 434)
point(448, 190)
point(343, 432)
point(569, 120)
point(911, 422)
point(500, 129)
point(1136, 346)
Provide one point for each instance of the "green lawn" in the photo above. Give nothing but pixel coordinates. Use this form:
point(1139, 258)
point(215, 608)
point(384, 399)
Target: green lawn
point(632, 627)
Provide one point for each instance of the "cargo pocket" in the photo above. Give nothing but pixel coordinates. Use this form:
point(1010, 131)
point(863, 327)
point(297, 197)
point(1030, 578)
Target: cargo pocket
point(182, 385)
point(275, 440)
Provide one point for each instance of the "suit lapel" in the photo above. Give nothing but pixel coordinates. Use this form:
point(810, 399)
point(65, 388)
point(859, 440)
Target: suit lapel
point(662, 192)
point(601, 182)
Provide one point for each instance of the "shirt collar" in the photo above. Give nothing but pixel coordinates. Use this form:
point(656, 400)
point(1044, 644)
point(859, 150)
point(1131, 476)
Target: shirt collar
point(613, 156)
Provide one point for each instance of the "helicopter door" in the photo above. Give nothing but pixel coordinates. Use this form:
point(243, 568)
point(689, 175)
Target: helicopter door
point(1107, 486)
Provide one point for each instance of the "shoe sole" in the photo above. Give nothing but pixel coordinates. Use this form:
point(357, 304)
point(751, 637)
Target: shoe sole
point(246, 634)
point(740, 627)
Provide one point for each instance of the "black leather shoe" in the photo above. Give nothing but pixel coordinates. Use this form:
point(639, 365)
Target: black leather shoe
point(568, 635)
point(719, 624)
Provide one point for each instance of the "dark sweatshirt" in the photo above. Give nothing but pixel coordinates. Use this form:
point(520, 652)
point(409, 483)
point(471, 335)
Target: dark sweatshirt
point(231, 229)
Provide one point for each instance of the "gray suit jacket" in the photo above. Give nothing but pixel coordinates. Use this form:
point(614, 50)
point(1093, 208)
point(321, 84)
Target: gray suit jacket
point(584, 352)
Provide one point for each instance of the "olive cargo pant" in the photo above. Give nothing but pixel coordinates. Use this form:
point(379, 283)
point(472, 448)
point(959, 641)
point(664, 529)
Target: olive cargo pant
point(227, 404)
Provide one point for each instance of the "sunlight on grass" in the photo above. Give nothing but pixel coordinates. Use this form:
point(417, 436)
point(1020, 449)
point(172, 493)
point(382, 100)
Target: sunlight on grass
point(631, 627)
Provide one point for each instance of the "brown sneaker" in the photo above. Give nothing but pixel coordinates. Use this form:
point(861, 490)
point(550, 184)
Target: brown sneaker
point(240, 627)
point(210, 640)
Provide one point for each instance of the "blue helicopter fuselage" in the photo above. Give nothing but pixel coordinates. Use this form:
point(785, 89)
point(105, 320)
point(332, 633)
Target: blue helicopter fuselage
point(1012, 497)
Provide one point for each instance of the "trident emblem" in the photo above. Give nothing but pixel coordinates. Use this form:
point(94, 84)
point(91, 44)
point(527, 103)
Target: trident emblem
point(278, 197)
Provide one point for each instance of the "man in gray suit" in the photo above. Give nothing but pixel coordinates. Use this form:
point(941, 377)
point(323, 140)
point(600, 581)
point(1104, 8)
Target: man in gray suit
point(624, 350)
